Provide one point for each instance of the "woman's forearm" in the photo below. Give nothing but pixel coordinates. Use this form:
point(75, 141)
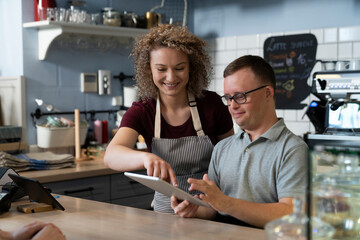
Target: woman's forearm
point(123, 158)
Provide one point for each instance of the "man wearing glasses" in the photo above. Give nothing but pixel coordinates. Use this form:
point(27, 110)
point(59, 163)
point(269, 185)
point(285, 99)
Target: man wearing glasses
point(255, 174)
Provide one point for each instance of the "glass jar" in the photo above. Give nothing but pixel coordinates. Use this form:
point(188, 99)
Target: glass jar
point(294, 226)
point(111, 17)
point(291, 227)
point(93, 149)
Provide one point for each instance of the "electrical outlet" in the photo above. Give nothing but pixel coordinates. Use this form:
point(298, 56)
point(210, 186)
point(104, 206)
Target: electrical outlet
point(116, 101)
point(104, 82)
point(89, 82)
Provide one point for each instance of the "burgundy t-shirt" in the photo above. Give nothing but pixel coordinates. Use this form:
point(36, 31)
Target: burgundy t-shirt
point(214, 116)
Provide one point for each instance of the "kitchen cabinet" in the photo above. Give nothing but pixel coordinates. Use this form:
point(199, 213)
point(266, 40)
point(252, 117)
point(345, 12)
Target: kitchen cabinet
point(48, 31)
point(93, 188)
point(127, 192)
point(92, 180)
point(12, 111)
point(113, 188)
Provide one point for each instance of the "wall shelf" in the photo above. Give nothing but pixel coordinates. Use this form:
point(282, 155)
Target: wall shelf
point(16, 146)
point(48, 31)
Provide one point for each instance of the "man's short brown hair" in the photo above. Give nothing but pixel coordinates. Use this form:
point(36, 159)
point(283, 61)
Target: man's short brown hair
point(262, 70)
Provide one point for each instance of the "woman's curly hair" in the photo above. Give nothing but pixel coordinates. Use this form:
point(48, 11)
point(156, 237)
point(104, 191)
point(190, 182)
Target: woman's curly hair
point(179, 38)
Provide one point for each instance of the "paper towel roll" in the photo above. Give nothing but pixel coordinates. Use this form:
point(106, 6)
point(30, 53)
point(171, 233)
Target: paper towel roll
point(129, 96)
point(119, 116)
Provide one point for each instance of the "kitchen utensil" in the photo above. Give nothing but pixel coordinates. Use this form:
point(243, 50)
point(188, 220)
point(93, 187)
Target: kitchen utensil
point(129, 19)
point(152, 19)
point(172, 12)
point(48, 107)
point(77, 134)
point(78, 156)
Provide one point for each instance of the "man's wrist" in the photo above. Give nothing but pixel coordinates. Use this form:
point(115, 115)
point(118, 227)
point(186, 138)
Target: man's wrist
point(228, 205)
point(205, 213)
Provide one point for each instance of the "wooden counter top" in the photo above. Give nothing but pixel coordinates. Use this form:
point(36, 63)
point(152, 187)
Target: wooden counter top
point(83, 169)
point(85, 219)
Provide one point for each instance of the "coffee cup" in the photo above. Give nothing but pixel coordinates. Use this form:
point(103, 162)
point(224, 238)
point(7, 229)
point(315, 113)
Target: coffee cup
point(50, 14)
point(342, 65)
point(152, 19)
point(354, 65)
point(329, 66)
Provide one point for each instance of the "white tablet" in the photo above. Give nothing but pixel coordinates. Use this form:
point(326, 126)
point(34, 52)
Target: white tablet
point(165, 188)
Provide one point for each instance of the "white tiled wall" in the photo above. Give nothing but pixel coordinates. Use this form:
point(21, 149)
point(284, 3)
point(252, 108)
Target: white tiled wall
point(342, 43)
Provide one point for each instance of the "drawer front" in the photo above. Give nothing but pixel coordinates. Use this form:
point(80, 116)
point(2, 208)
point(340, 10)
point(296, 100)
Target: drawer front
point(122, 187)
point(94, 188)
point(142, 201)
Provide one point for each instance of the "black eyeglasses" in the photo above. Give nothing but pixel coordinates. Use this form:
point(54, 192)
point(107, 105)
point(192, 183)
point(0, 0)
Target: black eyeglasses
point(239, 98)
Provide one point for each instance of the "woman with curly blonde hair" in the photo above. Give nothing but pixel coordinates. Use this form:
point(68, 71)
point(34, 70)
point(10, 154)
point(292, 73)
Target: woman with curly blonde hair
point(178, 38)
point(179, 119)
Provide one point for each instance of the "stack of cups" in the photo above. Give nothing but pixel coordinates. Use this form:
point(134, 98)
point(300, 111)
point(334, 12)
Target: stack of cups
point(352, 65)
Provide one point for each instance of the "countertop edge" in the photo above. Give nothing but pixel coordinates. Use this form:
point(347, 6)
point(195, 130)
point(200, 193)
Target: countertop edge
point(87, 169)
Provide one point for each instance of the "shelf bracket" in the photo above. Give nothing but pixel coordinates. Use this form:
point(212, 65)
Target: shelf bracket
point(46, 37)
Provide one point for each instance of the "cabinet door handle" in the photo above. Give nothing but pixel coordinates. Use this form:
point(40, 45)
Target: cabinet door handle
point(133, 182)
point(78, 190)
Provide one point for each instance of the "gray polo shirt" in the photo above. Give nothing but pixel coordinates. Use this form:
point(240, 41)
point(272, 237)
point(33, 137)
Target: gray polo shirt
point(273, 166)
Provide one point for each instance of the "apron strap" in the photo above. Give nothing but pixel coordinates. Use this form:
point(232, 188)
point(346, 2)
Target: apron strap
point(194, 115)
point(157, 119)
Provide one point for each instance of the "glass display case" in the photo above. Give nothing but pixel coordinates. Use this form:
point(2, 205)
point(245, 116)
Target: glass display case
point(334, 184)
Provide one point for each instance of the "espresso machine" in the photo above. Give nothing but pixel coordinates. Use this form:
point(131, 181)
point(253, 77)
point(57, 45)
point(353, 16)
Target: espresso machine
point(337, 110)
point(333, 192)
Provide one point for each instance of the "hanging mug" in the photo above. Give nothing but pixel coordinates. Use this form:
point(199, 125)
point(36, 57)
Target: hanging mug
point(152, 19)
point(342, 65)
point(354, 65)
point(329, 65)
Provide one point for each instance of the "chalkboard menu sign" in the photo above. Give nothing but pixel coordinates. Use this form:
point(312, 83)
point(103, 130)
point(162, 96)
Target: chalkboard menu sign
point(292, 57)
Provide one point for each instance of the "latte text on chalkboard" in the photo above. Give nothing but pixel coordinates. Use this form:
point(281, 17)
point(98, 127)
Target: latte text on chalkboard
point(292, 57)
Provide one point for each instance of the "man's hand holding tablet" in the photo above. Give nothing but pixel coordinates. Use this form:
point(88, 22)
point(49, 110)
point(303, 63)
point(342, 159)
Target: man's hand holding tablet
point(165, 188)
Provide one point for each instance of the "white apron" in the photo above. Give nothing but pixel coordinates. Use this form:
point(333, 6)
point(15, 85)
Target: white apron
point(188, 156)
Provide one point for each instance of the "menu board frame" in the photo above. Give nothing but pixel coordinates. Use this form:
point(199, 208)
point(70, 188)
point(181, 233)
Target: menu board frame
point(292, 58)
